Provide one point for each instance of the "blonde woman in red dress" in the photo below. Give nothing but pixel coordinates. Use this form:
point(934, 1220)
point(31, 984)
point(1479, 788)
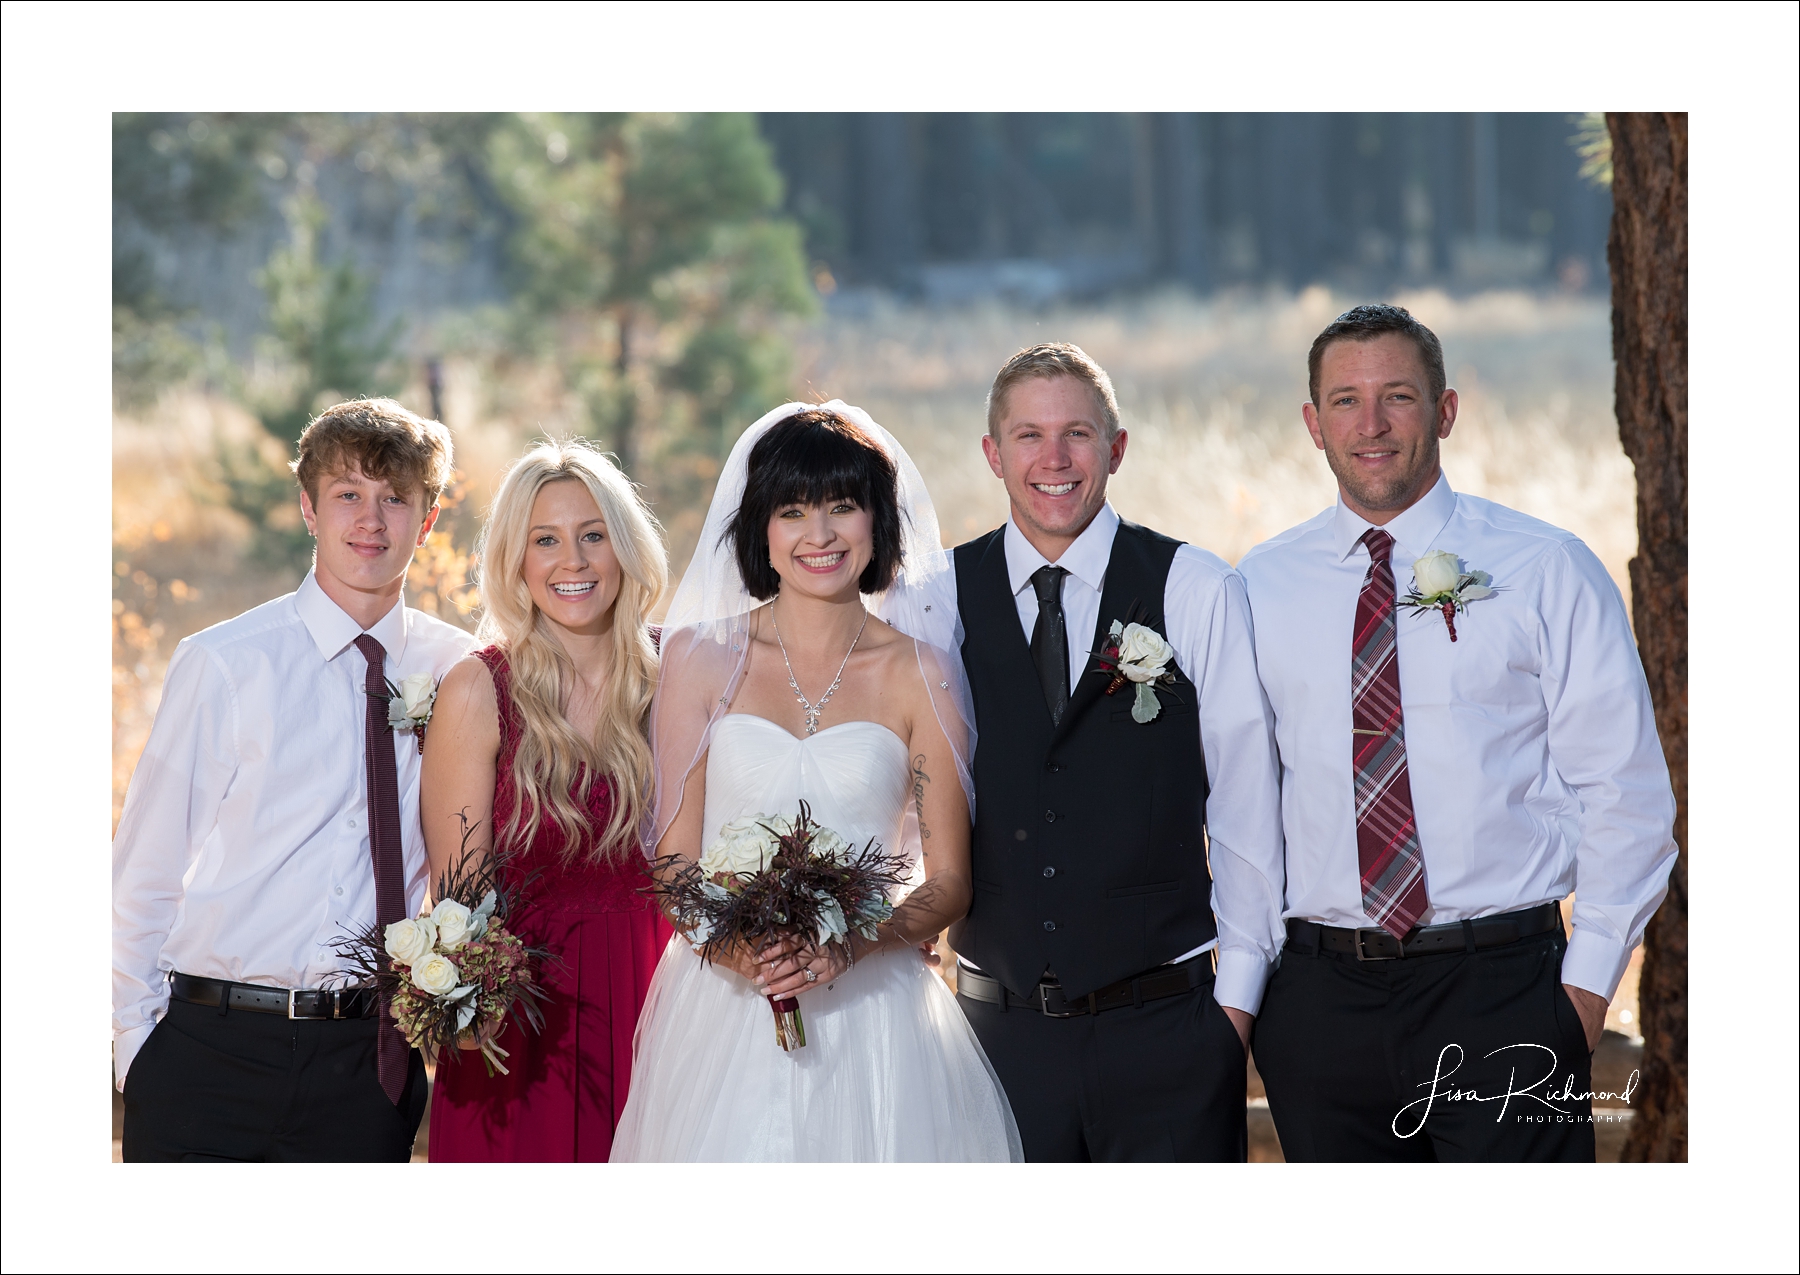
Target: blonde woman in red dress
point(538, 739)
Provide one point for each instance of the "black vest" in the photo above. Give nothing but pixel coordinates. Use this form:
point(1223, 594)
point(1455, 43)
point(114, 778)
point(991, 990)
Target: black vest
point(1089, 857)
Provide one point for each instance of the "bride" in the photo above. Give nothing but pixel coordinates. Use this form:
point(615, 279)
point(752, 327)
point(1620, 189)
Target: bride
point(778, 686)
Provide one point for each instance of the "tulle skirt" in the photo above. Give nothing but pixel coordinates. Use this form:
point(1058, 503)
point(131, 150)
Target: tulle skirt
point(891, 1071)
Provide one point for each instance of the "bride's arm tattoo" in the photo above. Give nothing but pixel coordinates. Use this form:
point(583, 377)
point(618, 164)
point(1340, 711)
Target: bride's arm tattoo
point(920, 779)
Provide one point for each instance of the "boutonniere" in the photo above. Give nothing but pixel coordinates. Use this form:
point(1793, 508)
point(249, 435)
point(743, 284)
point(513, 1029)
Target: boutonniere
point(410, 704)
point(1137, 653)
point(1441, 584)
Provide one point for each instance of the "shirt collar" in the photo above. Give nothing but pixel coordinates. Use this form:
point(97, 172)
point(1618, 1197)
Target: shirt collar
point(1413, 531)
point(1085, 559)
point(333, 630)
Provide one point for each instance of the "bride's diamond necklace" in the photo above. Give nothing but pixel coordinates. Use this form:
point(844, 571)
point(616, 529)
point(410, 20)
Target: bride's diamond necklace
point(813, 710)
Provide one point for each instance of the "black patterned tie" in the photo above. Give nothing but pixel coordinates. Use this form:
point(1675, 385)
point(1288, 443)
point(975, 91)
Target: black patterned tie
point(384, 848)
point(1050, 640)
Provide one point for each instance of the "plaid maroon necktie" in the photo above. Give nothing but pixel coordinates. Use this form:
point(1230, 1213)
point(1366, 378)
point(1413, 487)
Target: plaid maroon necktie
point(1387, 837)
point(384, 849)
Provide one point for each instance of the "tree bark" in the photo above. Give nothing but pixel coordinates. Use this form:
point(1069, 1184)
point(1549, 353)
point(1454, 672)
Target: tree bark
point(1647, 252)
point(625, 427)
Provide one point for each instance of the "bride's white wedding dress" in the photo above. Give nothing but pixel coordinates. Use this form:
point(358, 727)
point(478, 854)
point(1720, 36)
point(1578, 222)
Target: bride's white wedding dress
point(890, 1070)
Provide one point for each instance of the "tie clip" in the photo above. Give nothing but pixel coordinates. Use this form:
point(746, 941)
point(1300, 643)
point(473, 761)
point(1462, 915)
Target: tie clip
point(1357, 730)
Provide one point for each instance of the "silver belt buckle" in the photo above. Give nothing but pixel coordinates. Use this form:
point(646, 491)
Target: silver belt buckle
point(1364, 955)
point(292, 992)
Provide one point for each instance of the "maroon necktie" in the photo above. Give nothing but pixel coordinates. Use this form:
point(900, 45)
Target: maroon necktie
point(384, 848)
point(1387, 836)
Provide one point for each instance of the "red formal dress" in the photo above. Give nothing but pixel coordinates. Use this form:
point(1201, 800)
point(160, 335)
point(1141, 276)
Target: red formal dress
point(567, 1084)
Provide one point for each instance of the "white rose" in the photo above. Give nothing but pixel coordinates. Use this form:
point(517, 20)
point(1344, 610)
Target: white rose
point(827, 843)
point(1143, 655)
point(417, 692)
point(454, 923)
point(435, 975)
point(407, 941)
point(743, 845)
point(1437, 572)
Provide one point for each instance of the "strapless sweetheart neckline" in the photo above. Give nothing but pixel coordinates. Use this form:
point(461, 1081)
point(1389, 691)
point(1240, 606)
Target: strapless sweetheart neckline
point(889, 731)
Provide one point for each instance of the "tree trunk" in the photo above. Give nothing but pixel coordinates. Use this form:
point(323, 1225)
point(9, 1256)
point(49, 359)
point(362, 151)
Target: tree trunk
point(1647, 252)
point(625, 432)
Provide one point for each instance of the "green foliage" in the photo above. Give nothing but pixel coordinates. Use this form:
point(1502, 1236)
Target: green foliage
point(261, 488)
point(149, 353)
point(323, 330)
point(193, 171)
point(650, 269)
point(660, 236)
point(170, 173)
point(325, 344)
point(1593, 142)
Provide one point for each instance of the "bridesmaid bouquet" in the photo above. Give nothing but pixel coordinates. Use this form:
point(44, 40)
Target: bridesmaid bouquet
point(771, 875)
point(454, 973)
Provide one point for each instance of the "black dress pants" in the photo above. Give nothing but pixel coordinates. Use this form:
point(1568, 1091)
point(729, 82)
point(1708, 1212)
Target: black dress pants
point(249, 1086)
point(1476, 1056)
point(1161, 1081)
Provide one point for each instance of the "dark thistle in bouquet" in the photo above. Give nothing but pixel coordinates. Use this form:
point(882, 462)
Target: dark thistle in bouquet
point(769, 876)
point(453, 974)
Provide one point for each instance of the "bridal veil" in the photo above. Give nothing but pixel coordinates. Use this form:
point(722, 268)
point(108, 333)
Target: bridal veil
point(706, 633)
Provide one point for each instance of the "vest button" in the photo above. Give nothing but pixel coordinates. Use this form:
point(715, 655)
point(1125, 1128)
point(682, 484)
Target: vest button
point(1049, 872)
point(1053, 767)
point(1049, 925)
point(1049, 816)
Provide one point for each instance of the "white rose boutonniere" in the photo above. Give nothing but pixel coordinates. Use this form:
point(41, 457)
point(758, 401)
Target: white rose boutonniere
point(1138, 654)
point(410, 704)
point(1440, 583)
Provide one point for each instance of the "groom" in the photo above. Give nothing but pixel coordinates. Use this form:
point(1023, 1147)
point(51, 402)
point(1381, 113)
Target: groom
point(1087, 959)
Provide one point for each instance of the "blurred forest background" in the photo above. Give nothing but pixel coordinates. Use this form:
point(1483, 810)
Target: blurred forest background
point(657, 282)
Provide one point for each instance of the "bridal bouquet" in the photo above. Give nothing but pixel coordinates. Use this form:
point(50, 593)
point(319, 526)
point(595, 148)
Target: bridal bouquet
point(770, 875)
point(455, 972)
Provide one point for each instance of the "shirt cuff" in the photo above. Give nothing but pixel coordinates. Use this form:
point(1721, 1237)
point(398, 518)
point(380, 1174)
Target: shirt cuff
point(1595, 963)
point(1240, 981)
point(125, 1048)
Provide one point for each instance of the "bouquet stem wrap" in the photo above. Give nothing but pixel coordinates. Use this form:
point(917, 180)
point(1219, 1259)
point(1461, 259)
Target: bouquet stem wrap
point(790, 1028)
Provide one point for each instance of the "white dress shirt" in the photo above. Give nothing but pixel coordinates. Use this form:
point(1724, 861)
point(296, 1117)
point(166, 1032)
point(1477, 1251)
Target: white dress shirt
point(1530, 741)
point(1207, 620)
point(243, 849)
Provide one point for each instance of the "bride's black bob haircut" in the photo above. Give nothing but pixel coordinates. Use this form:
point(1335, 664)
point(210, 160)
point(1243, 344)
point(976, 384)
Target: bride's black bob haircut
point(810, 458)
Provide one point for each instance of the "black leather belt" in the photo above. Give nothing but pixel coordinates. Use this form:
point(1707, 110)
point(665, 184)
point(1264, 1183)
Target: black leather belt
point(1047, 997)
point(333, 1002)
point(1374, 944)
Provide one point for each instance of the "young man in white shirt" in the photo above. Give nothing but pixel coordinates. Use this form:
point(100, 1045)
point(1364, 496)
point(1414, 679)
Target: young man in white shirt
point(1465, 741)
point(250, 846)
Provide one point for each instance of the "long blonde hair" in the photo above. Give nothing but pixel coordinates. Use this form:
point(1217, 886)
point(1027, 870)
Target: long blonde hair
point(551, 753)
